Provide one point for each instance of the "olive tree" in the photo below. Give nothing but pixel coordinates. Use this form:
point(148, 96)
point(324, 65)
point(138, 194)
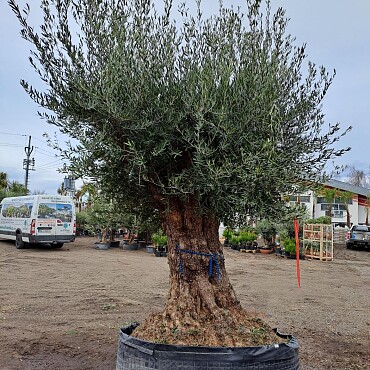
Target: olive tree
point(202, 120)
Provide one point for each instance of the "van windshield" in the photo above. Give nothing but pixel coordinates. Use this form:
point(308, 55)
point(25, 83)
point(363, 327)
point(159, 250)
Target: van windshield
point(60, 211)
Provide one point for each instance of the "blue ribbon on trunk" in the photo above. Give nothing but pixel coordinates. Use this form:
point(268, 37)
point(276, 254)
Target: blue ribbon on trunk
point(213, 260)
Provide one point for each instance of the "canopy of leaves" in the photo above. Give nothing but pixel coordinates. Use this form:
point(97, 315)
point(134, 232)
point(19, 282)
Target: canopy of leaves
point(222, 108)
point(104, 213)
point(319, 220)
point(334, 195)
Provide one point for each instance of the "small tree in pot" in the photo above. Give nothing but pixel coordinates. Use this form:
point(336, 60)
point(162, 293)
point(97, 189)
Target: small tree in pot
point(267, 228)
point(160, 242)
point(103, 216)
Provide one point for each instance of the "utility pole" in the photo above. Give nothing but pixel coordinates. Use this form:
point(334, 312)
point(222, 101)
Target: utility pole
point(28, 164)
point(69, 183)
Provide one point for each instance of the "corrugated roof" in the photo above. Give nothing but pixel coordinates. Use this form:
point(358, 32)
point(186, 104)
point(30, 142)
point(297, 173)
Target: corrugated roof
point(348, 187)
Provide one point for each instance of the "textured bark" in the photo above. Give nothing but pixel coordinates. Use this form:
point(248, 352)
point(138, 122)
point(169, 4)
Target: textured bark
point(202, 307)
point(348, 217)
point(194, 289)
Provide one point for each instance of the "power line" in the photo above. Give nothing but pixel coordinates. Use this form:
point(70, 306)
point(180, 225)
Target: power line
point(43, 141)
point(49, 170)
point(8, 133)
point(12, 145)
point(35, 138)
point(46, 151)
point(48, 164)
point(46, 155)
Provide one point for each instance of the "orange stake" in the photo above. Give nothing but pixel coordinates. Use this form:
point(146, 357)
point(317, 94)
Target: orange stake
point(296, 232)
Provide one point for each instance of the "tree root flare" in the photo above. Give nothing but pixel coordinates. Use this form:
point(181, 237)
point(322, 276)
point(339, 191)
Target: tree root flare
point(236, 328)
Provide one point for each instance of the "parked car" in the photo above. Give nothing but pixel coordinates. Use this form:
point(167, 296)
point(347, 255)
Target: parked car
point(358, 236)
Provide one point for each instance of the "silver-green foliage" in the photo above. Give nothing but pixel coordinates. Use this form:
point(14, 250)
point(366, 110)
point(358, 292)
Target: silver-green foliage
point(223, 108)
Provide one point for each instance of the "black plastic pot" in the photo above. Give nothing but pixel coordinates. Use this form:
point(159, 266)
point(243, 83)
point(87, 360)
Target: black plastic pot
point(114, 243)
point(138, 354)
point(102, 246)
point(130, 247)
point(150, 248)
point(160, 254)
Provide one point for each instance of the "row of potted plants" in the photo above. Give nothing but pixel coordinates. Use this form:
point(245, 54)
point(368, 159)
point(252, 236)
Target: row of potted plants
point(282, 245)
point(240, 239)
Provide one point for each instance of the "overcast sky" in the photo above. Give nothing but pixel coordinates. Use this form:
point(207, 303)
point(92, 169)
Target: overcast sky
point(337, 33)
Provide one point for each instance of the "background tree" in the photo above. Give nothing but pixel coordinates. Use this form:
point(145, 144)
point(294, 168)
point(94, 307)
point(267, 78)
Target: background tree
point(357, 177)
point(10, 188)
point(267, 229)
point(62, 190)
point(88, 190)
point(329, 195)
point(38, 192)
point(346, 197)
point(104, 216)
point(3, 180)
point(202, 122)
point(334, 195)
point(367, 208)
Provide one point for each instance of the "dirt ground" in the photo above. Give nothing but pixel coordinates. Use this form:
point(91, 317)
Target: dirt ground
point(62, 309)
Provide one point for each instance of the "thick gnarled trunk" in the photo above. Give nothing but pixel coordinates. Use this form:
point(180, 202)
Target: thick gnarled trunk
point(202, 307)
point(194, 247)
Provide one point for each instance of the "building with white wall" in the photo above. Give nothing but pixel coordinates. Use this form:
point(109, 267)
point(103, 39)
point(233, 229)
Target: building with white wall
point(318, 205)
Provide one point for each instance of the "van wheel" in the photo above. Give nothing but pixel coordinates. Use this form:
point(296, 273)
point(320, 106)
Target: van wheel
point(59, 245)
point(19, 243)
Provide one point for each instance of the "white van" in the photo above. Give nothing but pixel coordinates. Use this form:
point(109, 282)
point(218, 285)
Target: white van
point(36, 219)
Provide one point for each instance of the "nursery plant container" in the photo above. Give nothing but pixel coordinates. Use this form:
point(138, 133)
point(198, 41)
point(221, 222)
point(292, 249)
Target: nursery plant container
point(114, 243)
point(102, 246)
point(266, 250)
point(138, 354)
point(160, 254)
point(130, 247)
point(278, 252)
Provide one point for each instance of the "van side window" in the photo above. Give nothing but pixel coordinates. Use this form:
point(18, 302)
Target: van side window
point(59, 211)
point(20, 210)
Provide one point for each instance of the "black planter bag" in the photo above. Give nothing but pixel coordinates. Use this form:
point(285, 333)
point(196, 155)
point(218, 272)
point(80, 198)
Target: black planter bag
point(139, 355)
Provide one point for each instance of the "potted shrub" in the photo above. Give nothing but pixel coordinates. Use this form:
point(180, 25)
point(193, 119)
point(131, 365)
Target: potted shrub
point(160, 242)
point(289, 247)
point(246, 238)
point(234, 242)
point(267, 229)
point(227, 234)
point(104, 216)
